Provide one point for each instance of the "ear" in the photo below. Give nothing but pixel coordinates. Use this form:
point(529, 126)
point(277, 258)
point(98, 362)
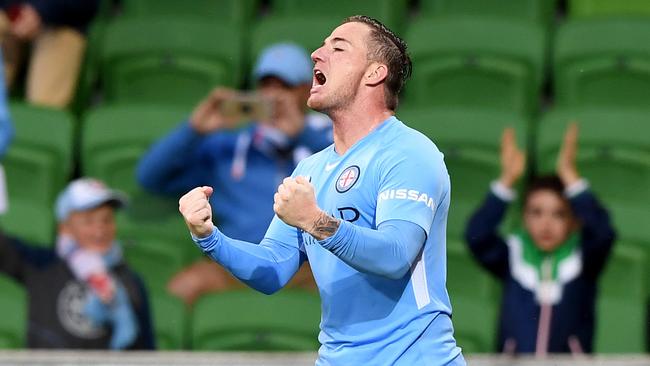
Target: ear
point(376, 74)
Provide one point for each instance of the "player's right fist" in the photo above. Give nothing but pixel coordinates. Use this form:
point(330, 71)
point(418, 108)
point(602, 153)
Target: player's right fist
point(196, 211)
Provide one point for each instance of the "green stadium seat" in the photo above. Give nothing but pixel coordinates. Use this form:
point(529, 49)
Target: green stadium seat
point(37, 166)
point(308, 32)
point(238, 12)
point(156, 258)
point(13, 304)
point(474, 300)
point(621, 308)
point(603, 62)
point(470, 141)
point(169, 60)
point(392, 13)
point(608, 8)
point(613, 152)
point(246, 320)
point(472, 61)
point(113, 140)
point(170, 320)
point(541, 11)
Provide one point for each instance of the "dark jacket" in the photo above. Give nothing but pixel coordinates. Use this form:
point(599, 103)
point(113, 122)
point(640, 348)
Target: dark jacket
point(55, 319)
point(573, 315)
point(72, 13)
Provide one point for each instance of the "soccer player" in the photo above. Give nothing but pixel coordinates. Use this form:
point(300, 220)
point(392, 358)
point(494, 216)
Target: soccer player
point(368, 213)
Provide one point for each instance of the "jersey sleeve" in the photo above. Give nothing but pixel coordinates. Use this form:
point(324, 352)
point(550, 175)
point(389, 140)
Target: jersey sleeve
point(281, 232)
point(411, 185)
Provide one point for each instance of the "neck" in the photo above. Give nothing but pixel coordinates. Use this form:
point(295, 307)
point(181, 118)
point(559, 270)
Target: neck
point(353, 124)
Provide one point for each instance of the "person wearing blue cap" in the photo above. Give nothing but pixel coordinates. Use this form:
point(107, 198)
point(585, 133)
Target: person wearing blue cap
point(81, 293)
point(244, 161)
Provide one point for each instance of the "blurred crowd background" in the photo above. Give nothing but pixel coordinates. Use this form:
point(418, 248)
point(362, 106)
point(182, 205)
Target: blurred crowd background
point(135, 68)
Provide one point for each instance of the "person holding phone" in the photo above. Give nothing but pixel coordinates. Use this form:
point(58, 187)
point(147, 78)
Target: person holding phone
point(248, 154)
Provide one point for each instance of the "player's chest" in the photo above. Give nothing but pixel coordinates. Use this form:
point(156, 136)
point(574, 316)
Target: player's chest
point(348, 191)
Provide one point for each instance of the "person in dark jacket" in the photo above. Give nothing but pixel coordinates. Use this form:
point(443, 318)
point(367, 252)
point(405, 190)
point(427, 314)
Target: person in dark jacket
point(56, 32)
point(82, 295)
point(550, 267)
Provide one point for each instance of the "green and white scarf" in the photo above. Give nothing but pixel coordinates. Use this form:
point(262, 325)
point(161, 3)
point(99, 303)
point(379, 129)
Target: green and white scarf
point(541, 272)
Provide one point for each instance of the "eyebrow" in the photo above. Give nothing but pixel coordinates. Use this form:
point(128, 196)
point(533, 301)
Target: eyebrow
point(337, 39)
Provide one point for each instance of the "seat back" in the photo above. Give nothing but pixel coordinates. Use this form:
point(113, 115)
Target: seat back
point(169, 60)
point(250, 321)
point(466, 62)
point(37, 166)
point(603, 62)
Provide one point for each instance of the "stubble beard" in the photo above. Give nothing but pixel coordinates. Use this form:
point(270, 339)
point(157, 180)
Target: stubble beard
point(339, 100)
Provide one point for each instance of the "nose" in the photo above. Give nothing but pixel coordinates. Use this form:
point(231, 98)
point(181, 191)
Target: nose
point(317, 55)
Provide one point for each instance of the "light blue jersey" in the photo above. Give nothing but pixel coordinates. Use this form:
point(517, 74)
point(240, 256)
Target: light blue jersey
point(381, 276)
point(394, 173)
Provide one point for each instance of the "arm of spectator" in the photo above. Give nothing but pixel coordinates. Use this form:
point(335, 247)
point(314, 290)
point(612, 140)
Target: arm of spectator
point(482, 237)
point(15, 256)
point(597, 232)
point(177, 163)
point(173, 164)
point(481, 233)
point(202, 277)
point(6, 126)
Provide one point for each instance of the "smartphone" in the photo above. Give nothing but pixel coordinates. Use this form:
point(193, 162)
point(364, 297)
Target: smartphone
point(247, 107)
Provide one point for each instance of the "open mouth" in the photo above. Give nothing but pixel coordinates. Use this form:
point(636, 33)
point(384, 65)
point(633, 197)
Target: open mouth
point(319, 77)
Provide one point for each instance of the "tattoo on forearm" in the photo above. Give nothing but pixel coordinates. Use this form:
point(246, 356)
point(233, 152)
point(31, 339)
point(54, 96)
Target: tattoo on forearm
point(324, 227)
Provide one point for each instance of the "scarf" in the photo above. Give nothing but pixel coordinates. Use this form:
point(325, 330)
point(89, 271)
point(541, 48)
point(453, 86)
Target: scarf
point(270, 141)
point(544, 273)
point(108, 301)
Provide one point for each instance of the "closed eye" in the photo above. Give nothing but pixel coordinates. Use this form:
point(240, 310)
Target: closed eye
point(336, 49)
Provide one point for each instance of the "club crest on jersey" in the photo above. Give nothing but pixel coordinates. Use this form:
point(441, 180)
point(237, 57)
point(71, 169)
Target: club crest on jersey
point(348, 177)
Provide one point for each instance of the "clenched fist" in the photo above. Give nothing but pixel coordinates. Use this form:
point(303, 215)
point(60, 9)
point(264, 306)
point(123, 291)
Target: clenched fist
point(295, 203)
point(196, 210)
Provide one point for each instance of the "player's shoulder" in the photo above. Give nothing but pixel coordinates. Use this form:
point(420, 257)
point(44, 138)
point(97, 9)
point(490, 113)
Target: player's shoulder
point(402, 140)
point(313, 161)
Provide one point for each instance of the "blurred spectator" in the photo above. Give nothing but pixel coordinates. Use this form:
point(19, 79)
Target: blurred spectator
point(245, 163)
point(6, 135)
point(55, 30)
point(550, 267)
point(82, 295)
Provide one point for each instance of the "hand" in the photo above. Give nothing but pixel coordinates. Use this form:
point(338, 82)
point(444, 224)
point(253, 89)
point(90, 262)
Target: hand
point(200, 278)
point(566, 160)
point(295, 203)
point(196, 210)
point(28, 24)
point(207, 116)
point(513, 160)
point(287, 117)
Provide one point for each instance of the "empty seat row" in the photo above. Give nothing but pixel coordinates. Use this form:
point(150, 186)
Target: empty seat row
point(460, 61)
point(393, 12)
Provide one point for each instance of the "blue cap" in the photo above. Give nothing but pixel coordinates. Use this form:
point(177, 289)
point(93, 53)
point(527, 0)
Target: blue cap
point(286, 61)
point(85, 194)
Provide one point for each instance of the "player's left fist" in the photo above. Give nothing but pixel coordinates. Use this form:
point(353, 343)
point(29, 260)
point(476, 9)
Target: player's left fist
point(295, 203)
